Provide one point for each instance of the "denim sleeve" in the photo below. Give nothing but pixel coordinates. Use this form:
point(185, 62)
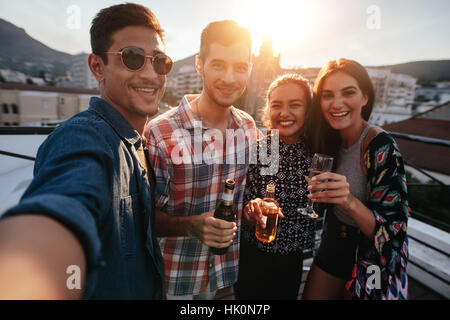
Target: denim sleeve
point(72, 178)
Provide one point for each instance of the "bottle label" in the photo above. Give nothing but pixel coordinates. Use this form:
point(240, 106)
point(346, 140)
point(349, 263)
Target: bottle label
point(270, 205)
point(227, 197)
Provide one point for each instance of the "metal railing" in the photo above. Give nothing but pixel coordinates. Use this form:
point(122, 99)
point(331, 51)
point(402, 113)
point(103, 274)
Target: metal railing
point(411, 137)
point(440, 196)
point(441, 189)
point(12, 130)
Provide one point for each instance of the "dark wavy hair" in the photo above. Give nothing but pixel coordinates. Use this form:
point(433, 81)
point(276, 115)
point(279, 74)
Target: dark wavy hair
point(322, 137)
point(114, 18)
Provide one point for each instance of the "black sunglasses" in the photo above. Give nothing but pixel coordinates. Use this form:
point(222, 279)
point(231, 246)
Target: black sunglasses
point(134, 59)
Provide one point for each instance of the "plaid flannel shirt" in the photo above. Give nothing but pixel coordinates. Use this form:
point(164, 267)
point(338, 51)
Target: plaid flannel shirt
point(191, 167)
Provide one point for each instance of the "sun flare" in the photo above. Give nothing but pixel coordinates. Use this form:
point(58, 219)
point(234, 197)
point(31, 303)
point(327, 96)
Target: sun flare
point(287, 22)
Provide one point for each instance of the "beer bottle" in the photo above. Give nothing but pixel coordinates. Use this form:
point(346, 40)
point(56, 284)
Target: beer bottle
point(269, 210)
point(225, 210)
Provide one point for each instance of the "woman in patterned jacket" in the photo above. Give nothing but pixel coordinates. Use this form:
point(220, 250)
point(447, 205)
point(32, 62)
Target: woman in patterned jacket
point(364, 246)
point(273, 270)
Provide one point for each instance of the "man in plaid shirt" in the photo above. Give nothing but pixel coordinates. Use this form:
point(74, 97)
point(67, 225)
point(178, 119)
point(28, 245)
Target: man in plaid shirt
point(193, 149)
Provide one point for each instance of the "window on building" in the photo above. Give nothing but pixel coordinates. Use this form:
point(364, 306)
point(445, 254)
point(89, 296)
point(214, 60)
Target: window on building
point(61, 101)
point(7, 123)
point(15, 124)
point(15, 108)
point(5, 108)
point(44, 103)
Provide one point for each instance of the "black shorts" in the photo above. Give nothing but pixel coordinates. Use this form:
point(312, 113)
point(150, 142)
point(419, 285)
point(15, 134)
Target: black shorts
point(337, 251)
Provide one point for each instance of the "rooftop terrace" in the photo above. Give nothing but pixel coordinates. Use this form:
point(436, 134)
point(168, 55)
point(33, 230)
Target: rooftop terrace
point(429, 262)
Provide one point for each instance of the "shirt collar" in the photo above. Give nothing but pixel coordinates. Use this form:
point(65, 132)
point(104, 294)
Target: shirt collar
point(116, 121)
point(191, 120)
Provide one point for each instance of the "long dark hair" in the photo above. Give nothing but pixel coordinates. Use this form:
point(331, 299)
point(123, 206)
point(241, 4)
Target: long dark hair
point(322, 138)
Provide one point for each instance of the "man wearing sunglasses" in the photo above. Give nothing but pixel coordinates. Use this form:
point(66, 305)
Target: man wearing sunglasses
point(189, 186)
point(84, 227)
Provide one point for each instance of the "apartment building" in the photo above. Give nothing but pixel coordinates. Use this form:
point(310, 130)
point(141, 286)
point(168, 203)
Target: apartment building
point(187, 81)
point(23, 104)
point(394, 96)
point(82, 76)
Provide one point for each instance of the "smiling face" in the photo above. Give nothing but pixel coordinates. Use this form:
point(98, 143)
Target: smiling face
point(341, 101)
point(135, 94)
point(225, 72)
point(287, 109)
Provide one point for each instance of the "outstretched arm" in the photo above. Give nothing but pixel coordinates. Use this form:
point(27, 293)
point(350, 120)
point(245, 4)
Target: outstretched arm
point(35, 253)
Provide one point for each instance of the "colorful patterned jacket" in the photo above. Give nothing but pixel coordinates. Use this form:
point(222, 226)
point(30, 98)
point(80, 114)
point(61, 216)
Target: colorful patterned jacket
point(380, 269)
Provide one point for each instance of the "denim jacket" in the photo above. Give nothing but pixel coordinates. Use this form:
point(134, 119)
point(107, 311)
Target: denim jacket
point(88, 177)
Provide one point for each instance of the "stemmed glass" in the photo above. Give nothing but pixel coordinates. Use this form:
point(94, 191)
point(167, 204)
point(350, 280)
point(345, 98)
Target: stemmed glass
point(320, 163)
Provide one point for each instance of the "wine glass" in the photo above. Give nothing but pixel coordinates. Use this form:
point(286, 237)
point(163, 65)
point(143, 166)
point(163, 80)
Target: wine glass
point(320, 163)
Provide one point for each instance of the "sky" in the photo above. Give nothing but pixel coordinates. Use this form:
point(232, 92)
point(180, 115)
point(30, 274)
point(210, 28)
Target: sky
point(305, 33)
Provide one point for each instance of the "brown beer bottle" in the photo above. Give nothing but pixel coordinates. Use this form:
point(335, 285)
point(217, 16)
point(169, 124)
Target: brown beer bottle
point(269, 210)
point(225, 210)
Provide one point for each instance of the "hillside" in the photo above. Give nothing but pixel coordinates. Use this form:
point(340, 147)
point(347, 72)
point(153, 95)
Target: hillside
point(20, 52)
point(438, 70)
point(424, 71)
